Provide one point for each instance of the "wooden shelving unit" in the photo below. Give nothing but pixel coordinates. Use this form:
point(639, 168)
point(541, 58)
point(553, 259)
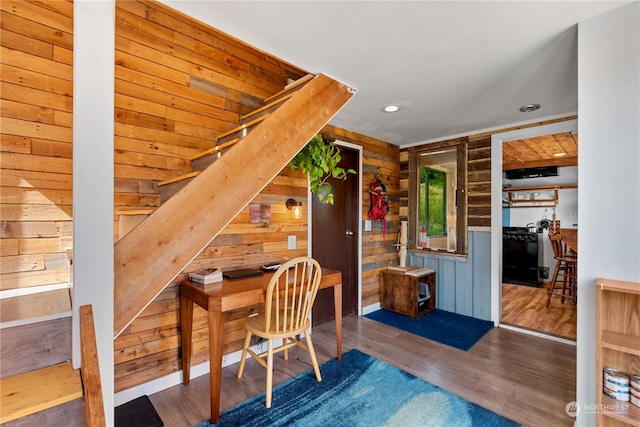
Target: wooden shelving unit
point(617, 346)
point(534, 197)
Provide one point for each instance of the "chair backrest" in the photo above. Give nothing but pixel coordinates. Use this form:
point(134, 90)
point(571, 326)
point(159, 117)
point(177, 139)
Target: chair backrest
point(556, 245)
point(291, 293)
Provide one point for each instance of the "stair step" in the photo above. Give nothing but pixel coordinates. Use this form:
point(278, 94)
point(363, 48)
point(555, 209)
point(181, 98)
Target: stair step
point(204, 159)
point(35, 305)
point(178, 178)
point(293, 87)
point(130, 219)
point(35, 391)
point(265, 109)
point(24, 348)
point(241, 131)
point(171, 186)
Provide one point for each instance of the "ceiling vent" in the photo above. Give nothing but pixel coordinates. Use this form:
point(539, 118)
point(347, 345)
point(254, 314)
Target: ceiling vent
point(532, 172)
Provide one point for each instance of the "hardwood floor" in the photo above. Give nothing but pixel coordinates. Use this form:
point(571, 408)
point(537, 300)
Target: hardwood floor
point(525, 378)
point(525, 306)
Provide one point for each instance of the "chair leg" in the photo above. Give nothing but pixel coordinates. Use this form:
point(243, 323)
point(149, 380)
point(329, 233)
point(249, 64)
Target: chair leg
point(565, 278)
point(554, 279)
point(572, 286)
point(312, 355)
point(269, 372)
point(243, 359)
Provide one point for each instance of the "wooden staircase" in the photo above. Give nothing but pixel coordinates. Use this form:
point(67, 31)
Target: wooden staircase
point(38, 384)
point(35, 348)
point(197, 206)
point(228, 139)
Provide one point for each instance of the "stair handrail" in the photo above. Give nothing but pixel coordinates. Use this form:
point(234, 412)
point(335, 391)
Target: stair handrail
point(93, 403)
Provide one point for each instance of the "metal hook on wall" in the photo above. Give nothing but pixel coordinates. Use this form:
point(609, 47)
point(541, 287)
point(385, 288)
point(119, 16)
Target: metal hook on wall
point(378, 173)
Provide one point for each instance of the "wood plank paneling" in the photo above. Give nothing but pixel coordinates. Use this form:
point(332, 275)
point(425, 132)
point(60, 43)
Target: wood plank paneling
point(35, 172)
point(380, 159)
point(162, 120)
point(179, 84)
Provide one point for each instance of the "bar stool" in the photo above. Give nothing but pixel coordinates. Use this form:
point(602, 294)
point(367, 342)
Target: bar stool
point(566, 268)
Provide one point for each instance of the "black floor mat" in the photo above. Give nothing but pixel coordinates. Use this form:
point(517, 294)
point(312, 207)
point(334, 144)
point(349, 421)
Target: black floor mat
point(137, 413)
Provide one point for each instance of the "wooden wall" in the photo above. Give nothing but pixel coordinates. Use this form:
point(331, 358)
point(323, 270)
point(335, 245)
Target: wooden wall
point(478, 175)
point(36, 42)
point(179, 84)
point(380, 159)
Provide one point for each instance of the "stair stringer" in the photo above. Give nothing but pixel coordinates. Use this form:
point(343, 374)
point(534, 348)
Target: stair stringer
point(150, 257)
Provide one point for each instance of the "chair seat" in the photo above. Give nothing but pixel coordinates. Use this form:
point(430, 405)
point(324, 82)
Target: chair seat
point(567, 258)
point(255, 325)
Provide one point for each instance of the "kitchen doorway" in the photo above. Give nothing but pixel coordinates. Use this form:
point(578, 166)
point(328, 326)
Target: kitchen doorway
point(522, 304)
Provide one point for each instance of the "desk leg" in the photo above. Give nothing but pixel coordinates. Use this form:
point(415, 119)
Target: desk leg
point(337, 297)
point(216, 340)
point(186, 325)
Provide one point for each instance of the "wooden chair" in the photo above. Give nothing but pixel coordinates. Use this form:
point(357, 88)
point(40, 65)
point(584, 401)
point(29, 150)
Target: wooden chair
point(289, 299)
point(566, 268)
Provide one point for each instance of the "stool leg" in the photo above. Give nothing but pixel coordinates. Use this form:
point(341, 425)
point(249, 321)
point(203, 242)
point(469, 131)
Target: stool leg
point(565, 277)
point(574, 282)
point(554, 278)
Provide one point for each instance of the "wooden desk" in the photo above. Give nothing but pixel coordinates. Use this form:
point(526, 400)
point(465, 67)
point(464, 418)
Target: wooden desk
point(228, 295)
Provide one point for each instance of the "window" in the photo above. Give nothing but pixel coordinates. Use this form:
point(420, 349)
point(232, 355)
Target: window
point(439, 205)
point(432, 202)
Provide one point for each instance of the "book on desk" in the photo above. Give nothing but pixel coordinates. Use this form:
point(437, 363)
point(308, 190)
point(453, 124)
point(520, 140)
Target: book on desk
point(206, 275)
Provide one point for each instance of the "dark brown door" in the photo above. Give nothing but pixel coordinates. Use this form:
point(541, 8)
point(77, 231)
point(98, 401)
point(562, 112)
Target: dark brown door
point(335, 239)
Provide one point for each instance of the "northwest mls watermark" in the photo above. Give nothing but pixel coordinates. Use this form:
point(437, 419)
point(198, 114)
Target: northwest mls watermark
point(574, 408)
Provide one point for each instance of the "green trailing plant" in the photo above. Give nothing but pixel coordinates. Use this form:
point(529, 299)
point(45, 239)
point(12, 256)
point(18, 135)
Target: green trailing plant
point(319, 159)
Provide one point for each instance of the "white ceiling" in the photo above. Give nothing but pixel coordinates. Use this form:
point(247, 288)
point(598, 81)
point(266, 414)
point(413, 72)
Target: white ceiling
point(455, 67)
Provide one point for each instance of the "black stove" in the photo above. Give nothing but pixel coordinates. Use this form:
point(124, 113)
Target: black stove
point(519, 234)
point(522, 256)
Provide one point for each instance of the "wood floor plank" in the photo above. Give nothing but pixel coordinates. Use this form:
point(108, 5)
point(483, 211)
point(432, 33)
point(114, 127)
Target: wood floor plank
point(526, 307)
point(525, 378)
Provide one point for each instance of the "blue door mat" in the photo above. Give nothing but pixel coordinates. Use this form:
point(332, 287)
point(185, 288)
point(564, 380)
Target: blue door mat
point(455, 330)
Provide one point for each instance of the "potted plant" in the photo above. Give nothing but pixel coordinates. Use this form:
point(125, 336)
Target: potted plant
point(319, 159)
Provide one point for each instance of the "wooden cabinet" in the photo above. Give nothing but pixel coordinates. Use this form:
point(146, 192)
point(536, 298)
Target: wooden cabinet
point(406, 294)
point(617, 346)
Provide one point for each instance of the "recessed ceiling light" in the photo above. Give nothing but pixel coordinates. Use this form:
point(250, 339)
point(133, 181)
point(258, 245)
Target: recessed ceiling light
point(529, 108)
point(559, 154)
point(392, 108)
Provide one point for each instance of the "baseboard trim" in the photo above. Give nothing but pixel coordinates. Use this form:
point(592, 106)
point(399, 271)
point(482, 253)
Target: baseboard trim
point(371, 308)
point(537, 334)
point(173, 379)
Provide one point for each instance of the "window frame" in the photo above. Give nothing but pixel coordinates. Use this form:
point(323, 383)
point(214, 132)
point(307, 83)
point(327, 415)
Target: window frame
point(461, 196)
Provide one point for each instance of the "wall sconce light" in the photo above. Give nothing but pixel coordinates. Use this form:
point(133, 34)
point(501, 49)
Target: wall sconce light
point(295, 208)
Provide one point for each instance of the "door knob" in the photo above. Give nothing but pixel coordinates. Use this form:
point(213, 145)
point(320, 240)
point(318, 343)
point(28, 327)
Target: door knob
point(349, 233)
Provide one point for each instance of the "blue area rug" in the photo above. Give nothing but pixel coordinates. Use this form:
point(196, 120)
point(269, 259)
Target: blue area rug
point(448, 328)
point(359, 391)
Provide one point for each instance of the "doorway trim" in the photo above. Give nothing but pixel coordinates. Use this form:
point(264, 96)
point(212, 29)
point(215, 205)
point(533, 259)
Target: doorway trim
point(359, 150)
point(496, 201)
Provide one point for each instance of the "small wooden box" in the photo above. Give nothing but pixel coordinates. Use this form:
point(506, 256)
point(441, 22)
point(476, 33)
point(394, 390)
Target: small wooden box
point(404, 294)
